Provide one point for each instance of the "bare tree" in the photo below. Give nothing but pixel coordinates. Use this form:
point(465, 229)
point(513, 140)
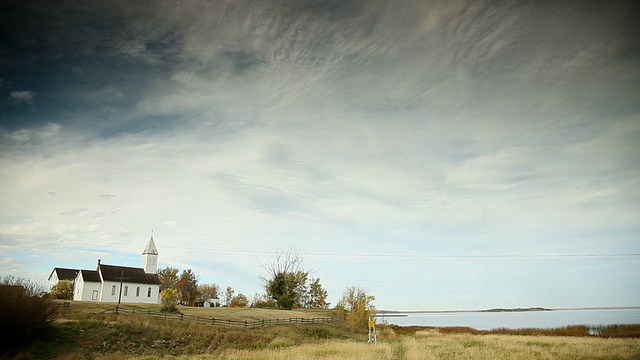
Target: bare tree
point(286, 281)
point(287, 260)
point(229, 294)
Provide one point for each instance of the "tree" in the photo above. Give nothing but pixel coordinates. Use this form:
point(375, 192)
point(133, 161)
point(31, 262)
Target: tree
point(208, 291)
point(356, 306)
point(239, 301)
point(262, 301)
point(317, 295)
point(25, 309)
point(187, 286)
point(169, 300)
point(283, 289)
point(286, 281)
point(228, 295)
point(62, 290)
point(168, 278)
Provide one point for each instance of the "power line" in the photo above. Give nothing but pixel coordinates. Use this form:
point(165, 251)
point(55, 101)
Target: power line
point(384, 256)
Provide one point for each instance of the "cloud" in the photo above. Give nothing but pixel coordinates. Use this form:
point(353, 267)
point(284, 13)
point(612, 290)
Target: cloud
point(22, 95)
point(235, 128)
point(73, 212)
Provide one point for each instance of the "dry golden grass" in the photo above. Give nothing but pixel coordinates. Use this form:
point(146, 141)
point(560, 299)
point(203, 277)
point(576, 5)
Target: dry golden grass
point(113, 337)
point(428, 346)
point(83, 307)
point(254, 314)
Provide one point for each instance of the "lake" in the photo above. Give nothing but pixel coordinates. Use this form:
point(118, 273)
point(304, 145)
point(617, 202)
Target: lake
point(516, 320)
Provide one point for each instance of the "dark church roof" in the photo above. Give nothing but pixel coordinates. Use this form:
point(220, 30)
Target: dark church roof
point(130, 274)
point(90, 275)
point(65, 274)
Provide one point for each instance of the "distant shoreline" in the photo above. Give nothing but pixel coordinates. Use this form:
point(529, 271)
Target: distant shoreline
point(400, 313)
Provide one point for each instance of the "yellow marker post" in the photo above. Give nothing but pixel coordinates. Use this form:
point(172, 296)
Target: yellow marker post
point(372, 332)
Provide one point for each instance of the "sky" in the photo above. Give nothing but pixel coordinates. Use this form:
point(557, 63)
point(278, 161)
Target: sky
point(441, 155)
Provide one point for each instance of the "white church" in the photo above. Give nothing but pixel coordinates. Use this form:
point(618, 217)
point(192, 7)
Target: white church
point(111, 283)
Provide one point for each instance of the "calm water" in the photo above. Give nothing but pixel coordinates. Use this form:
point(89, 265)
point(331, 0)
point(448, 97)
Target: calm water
point(527, 319)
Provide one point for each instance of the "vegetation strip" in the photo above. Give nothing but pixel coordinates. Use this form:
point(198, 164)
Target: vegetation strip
point(247, 324)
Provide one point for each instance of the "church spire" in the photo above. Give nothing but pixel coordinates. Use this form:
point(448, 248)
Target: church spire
point(150, 257)
point(151, 246)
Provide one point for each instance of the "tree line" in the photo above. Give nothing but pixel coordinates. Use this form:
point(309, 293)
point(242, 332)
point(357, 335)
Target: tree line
point(287, 285)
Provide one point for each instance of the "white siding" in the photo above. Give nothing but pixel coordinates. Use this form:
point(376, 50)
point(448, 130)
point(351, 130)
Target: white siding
point(84, 290)
point(131, 293)
point(53, 280)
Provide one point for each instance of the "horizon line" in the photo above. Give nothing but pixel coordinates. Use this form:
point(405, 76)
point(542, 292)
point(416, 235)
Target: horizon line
point(381, 313)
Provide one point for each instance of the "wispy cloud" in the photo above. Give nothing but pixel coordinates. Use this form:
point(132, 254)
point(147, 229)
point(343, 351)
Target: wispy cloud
point(23, 95)
point(235, 128)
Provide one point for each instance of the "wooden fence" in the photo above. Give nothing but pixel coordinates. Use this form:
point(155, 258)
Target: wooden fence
point(247, 324)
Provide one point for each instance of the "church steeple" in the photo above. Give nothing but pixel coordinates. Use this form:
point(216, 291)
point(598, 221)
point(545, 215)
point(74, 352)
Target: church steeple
point(150, 257)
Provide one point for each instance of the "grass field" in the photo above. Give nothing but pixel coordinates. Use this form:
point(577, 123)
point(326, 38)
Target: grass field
point(434, 345)
point(83, 308)
point(81, 332)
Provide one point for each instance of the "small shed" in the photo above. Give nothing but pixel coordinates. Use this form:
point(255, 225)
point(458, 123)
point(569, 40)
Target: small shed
point(213, 302)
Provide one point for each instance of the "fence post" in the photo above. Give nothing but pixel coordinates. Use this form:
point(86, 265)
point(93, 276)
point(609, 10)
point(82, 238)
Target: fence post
point(181, 316)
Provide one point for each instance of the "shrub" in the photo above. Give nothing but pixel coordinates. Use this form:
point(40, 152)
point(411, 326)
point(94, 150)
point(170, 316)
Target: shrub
point(169, 300)
point(356, 306)
point(63, 290)
point(25, 309)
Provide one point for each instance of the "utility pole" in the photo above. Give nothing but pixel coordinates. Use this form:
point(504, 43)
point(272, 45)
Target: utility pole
point(120, 294)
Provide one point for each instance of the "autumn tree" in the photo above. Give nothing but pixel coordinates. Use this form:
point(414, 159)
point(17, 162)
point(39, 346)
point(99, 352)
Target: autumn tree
point(317, 295)
point(169, 300)
point(262, 301)
point(356, 306)
point(62, 290)
point(239, 301)
point(187, 287)
point(168, 278)
point(208, 291)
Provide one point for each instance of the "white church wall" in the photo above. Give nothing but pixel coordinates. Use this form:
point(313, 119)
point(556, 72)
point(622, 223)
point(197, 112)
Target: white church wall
point(131, 293)
point(86, 290)
point(53, 280)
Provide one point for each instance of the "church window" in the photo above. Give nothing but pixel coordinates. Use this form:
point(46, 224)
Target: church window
point(126, 290)
point(138, 291)
point(149, 292)
point(94, 296)
point(113, 290)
